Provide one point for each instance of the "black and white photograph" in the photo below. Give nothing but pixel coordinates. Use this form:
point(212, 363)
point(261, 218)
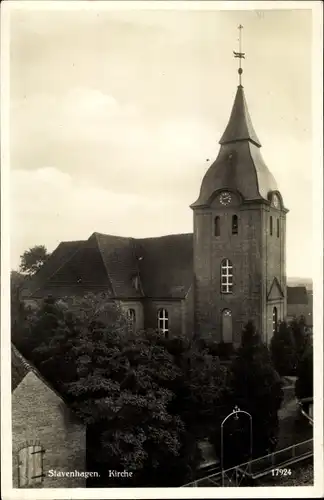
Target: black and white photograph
point(162, 249)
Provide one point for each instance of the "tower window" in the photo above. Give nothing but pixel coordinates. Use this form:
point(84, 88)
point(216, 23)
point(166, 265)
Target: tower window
point(217, 226)
point(234, 224)
point(131, 319)
point(226, 276)
point(278, 228)
point(271, 225)
point(163, 321)
point(227, 326)
point(274, 320)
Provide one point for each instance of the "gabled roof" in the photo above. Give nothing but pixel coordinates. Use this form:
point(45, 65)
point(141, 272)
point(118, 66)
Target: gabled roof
point(58, 258)
point(19, 367)
point(239, 127)
point(163, 268)
point(120, 258)
point(275, 290)
point(166, 268)
point(297, 295)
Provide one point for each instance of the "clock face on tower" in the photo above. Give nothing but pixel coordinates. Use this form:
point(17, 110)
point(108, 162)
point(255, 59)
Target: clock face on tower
point(225, 198)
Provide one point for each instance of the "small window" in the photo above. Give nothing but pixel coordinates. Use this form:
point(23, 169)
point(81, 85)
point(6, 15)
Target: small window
point(131, 318)
point(278, 228)
point(217, 226)
point(30, 463)
point(234, 224)
point(271, 223)
point(274, 320)
point(227, 326)
point(163, 322)
point(226, 276)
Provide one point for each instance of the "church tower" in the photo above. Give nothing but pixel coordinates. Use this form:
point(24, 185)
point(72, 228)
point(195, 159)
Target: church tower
point(239, 236)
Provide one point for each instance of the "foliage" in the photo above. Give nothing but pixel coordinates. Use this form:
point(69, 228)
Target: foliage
point(298, 329)
point(123, 393)
point(33, 259)
point(257, 389)
point(146, 400)
point(20, 315)
point(283, 351)
point(16, 280)
point(304, 382)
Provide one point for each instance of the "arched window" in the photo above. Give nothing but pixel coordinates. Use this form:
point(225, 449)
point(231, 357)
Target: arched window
point(271, 223)
point(217, 226)
point(226, 276)
point(227, 326)
point(274, 319)
point(163, 321)
point(278, 228)
point(131, 318)
point(234, 224)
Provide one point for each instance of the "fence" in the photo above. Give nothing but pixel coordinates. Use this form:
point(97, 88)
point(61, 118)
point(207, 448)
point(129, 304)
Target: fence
point(258, 467)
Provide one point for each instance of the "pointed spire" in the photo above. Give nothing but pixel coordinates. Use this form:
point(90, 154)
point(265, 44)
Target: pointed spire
point(240, 126)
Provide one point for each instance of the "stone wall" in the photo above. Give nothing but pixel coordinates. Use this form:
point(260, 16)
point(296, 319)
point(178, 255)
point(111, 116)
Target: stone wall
point(40, 416)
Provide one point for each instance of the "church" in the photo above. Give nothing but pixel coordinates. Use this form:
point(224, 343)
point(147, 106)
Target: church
point(231, 269)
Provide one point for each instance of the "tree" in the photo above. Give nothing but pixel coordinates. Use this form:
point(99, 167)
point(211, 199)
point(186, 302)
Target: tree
point(33, 327)
point(257, 389)
point(18, 310)
point(118, 384)
point(298, 329)
point(16, 279)
point(122, 395)
point(146, 400)
point(33, 259)
point(283, 351)
point(304, 382)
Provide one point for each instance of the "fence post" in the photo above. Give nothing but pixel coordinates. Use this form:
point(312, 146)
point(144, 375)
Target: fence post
point(293, 451)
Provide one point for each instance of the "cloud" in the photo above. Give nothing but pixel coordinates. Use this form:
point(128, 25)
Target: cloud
point(66, 209)
point(113, 116)
point(90, 135)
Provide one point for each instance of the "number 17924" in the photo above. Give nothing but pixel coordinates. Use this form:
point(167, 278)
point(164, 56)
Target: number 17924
point(281, 472)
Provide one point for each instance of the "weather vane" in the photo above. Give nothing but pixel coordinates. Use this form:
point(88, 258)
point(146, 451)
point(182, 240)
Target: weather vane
point(240, 55)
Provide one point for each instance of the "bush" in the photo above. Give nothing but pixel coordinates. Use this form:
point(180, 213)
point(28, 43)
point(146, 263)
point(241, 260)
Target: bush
point(146, 400)
point(257, 389)
point(283, 351)
point(304, 382)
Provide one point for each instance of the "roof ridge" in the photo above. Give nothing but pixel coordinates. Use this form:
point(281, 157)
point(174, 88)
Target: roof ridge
point(24, 361)
point(63, 264)
point(137, 265)
point(31, 368)
point(96, 235)
point(163, 236)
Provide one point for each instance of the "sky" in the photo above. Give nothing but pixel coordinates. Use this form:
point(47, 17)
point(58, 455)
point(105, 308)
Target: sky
point(114, 113)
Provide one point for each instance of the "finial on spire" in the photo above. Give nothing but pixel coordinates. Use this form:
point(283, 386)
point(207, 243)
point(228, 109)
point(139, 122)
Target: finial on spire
point(240, 55)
